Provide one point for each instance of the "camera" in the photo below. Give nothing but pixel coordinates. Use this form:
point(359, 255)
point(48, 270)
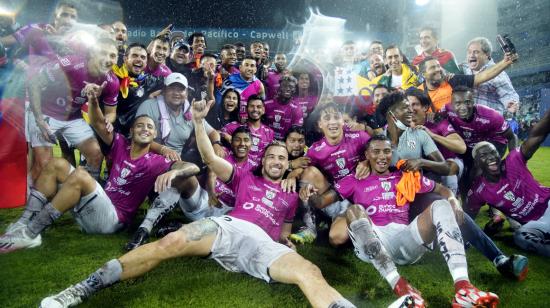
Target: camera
point(506, 43)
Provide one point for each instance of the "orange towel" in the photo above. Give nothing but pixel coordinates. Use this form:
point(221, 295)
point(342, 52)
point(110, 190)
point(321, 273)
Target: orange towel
point(408, 186)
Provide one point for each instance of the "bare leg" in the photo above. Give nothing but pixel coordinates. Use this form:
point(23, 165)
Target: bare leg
point(338, 234)
point(94, 157)
point(41, 156)
point(292, 268)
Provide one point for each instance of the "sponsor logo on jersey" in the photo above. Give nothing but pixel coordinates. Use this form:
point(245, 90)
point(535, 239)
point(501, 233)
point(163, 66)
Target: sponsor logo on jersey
point(482, 120)
point(320, 147)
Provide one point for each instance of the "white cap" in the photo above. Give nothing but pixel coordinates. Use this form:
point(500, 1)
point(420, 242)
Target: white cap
point(176, 77)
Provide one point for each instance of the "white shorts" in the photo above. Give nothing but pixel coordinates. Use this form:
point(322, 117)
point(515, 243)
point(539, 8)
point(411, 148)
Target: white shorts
point(336, 209)
point(241, 246)
point(199, 201)
point(74, 131)
point(95, 213)
point(401, 242)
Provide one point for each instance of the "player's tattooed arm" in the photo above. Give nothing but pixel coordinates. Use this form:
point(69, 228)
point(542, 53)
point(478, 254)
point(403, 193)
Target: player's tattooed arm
point(197, 230)
point(325, 199)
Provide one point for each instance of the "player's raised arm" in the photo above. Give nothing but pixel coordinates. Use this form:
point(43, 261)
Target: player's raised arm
point(536, 136)
point(97, 120)
point(218, 165)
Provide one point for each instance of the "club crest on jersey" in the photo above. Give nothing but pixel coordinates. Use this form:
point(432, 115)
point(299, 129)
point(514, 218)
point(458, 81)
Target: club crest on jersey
point(341, 162)
point(510, 196)
point(277, 117)
point(255, 140)
point(467, 134)
point(140, 92)
point(386, 186)
point(269, 194)
point(125, 172)
point(65, 61)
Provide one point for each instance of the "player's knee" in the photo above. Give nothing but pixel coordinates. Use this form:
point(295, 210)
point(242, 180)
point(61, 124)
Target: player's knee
point(172, 242)
point(309, 271)
point(186, 187)
point(337, 237)
point(355, 212)
point(311, 174)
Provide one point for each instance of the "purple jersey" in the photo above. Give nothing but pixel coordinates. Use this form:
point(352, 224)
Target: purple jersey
point(161, 71)
point(377, 194)
point(261, 138)
point(262, 202)
point(130, 179)
point(281, 117)
point(486, 125)
point(272, 84)
point(442, 128)
point(62, 98)
point(517, 194)
point(34, 37)
point(224, 192)
point(337, 161)
point(307, 103)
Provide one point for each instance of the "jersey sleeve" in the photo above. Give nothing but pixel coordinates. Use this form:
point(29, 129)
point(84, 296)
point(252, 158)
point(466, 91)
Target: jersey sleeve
point(498, 124)
point(428, 145)
point(110, 92)
point(236, 178)
point(346, 186)
point(297, 116)
point(462, 80)
point(230, 128)
point(289, 217)
point(426, 185)
point(475, 201)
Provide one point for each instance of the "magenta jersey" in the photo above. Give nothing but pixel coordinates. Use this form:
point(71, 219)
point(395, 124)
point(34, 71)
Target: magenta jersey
point(130, 180)
point(161, 71)
point(224, 192)
point(62, 97)
point(337, 161)
point(262, 202)
point(377, 194)
point(272, 84)
point(442, 128)
point(261, 138)
point(517, 194)
point(281, 117)
point(307, 103)
point(34, 36)
point(486, 125)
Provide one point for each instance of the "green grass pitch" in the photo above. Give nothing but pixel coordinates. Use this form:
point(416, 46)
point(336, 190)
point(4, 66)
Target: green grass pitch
point(68, 256)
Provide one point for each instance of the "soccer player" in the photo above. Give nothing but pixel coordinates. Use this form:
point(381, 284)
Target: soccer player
point(274, 75)
point(448, 141)
point(511, 188)
point(246, 83)
point(61, 188)
point(382, 235)
point(333, 157)
point(282, 113)
point(135, 60)
point(56, 97)
point(158, 50)
point(306, 96)
point(246, 240)
point(262, 135)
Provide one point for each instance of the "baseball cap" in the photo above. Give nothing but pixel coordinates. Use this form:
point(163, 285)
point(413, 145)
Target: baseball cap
point(176, 78)
point(181, 44)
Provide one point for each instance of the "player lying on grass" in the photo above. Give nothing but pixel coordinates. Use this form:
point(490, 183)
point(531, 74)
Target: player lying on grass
point(61, 188)
point(253, 238)
point(509, 186)
point(379, 225)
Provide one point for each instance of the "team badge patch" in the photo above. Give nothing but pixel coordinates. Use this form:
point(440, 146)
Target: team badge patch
point(277, 118)
point(269, 194)
point(341, 162)
point(386, 186)
point(510, 196)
